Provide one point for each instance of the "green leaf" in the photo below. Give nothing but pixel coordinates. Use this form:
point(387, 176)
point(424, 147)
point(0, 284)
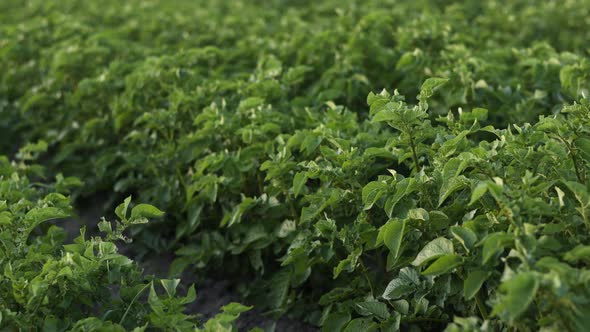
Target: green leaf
point(579, 253)
point(418, 214)
point(310, 143)
point(519, 293)
point(236, 215)
point(359, 324)
point(170, 286)
point(154, 301)
point(372, 192)
point(478, 192)
point(280, 288)
point(235, 308)
point(145, 211)
point(392, 324)
point(402, 189)
point(493, 244)
point(378, 309)
point(336, 321)
point(191, 295)
point(465, 236)
point(583, 144)
point(251, 102)
point(473, 283)
point(450, 186)
point(393, 232)
point(389, 112)
point(121, 210)
point(434, 249)
point(397, 289)
point(299, 182)
point(430, 86)
point(443, 265)
point(481, 114)
point(349, 263)
point(39, 215)
point(406, 282)
point(580, 192)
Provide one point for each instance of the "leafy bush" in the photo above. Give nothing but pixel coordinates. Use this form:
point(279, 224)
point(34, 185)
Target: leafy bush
point(462, 208)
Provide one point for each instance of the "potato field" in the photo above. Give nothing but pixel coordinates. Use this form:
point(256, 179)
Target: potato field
point(295, 165)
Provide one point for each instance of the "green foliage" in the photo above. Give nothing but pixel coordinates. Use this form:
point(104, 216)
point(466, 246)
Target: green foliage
point(83, 286)
point(456, 197)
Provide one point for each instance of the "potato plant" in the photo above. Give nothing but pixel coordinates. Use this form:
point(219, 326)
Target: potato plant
point(359, 165)
point(85, 285)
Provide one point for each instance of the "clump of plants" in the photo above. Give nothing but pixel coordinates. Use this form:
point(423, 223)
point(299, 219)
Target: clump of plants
point(86, 285)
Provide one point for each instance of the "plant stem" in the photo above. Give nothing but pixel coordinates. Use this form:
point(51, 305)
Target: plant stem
point(133, 301)
point(367, 276)
point(573, 156)
point(414, 154)
point(481, 305)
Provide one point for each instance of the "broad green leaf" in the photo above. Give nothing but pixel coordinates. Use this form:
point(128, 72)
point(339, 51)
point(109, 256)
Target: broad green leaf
point(478, 192)
point(465, 236)
point(389, 112)
point(154, 301)
point(402, 189)
point(191, 295)
point(418, 214)
point(121, 210)
point(299, 182)
point(393, 232)
point(280, 288)
point(336, 321)
point(39, 215)
point(397, 288)
point(583, 144)
point(493, 244)
point(434, 249)
point(145, 211)
point(443, 265)
point(519, 292)
point(430, 86)
point(393, 323)
point(450, 186)
point(372, 192)
point(579, 253)
point(481, 114)
point(580, 192)
point(378, 309)
point(310, 143)
point(251, 102)
point(473, 283)
point(5, 218)
point(359, 324)
point(406, 282)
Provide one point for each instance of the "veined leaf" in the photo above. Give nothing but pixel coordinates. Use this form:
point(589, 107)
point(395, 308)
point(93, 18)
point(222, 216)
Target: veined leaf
point(145, 211)
point(393, 232)
point(434, 249)
point(443, 265)
point(372, 192)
